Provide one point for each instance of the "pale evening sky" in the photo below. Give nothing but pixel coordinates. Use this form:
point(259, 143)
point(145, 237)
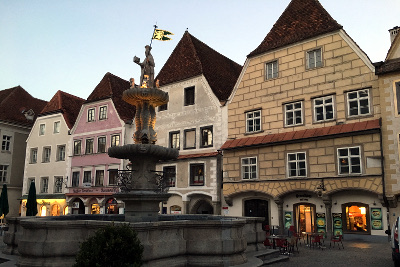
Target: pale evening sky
point(47, 45)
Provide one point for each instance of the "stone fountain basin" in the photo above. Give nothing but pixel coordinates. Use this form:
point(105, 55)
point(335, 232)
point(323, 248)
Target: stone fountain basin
point(138, 95)
point(132, 151)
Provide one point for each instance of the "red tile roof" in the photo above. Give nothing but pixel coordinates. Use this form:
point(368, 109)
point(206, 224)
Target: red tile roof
point(198, 155)
point(14, 101)
point(191, 58)
point(388, 66)
point(69, 105)
point(112, 86)
point(303, 135)
point(301, 20)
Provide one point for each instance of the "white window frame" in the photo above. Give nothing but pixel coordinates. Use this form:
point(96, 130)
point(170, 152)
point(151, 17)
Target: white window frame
point(201, 180)
point(97, 181)
point(312, 58)
point(58, 184)
point(358, 99)
point(44, 185)
point(56, 127)
point(6, 143)
point(42, 129)
point(46, 154)
point(186, 145)
point(33, 155)
point(89, 141)
point(206, 136)
point(293, 111)
point(75, 178)
point(247, 168)
point(324, 106)
point(3, 173)
point(297, 162)
point(252, 117)
point(114, 140)
point(271, 70)
point(349, 158)
point(91, 114)
point(174, 139)
point(85, 178)
point(103, 113)
point(76, 142)
point(61, 153)
point(98, 144)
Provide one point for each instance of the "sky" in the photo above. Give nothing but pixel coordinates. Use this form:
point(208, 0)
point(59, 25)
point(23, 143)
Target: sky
point(48, 45)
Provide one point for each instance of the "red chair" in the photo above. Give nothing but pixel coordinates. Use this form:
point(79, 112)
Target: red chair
point(267, 242)
point(283, 245)
point(336, 239)
point(317, 240)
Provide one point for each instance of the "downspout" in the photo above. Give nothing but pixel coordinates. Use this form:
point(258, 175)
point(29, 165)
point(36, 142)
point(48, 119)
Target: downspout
point(219, 181)
point(383, 175)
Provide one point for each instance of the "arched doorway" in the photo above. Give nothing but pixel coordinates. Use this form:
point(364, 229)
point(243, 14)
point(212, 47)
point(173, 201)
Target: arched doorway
point(304, 214)
point(202, 207)
point(111, 206)
point(78, 207)
point(55, 210)
point(356, 218)
point(256, 208)
point(43, 211)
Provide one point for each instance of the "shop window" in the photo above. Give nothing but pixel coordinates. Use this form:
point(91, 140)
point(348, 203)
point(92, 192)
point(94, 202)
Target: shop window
point(43, 211)
point(55, 210)
point(189, 96)
point(174, 139)
point(196, 174)
point(294, 114)
point(95, 209)
point(175, 209)
point(169, 173)
point(206, 136)
point(358, 103)
point(111, 206)
point(323, 108)
point(101, 144)
point(190, 138)
point(253, 121)
point(249, 168)
point(77, 147)
point(256, 208)
point(356, 217)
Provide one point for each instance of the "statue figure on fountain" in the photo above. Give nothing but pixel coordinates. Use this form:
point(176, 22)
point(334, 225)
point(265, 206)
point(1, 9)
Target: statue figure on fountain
point(147, 66)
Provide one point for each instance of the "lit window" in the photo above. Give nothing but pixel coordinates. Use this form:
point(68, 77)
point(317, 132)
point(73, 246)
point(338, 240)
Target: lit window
point(46, 154)
point(293, 114)
point(101, 144)
point(87, 177)
point(45, 185)
point(296, 164)
point(115, 140)
point(249, 168)
point(56, 127)
point(358, 103)
point(190, 138)
point(42, 128)
point(75, 179)
point(34, 154)
point(58, 182)
point(77, 147)
point(91, 114)
point(3, 173)
point(174, 139)
point(99, 177)
point(253, 121)
point(189, 96)
point(196, 174)
point(61, 153)
point(89, 146)
point(271, 70)
point(206, 136)
point(169, 173)
point(103, 113)
point(6, 143)
point(314, 58)
point(349, 160)
point(323, 108)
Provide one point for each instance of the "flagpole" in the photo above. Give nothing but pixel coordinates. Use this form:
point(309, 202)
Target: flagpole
point(155, 27)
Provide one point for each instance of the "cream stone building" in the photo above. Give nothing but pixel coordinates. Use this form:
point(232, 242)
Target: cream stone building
point(304, 133)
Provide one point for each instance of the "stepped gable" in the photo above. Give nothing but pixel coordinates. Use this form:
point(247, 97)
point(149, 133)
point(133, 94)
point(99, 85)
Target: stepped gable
point(14, 101)
point(69, 105)
point(301, 20)
point(191, 58)
point(112, 86)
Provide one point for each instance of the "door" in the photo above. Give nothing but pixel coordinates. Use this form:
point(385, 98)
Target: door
point(256, 208)
point(305, 217)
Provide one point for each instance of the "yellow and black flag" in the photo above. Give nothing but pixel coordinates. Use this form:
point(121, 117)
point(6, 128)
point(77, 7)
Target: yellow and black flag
point(161, 35)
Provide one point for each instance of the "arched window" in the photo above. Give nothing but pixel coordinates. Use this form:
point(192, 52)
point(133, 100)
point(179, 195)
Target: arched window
point(43, 211)
point(111, 206)
point(55, 210)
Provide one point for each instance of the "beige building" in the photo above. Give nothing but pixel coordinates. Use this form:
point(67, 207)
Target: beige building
point(304, 134)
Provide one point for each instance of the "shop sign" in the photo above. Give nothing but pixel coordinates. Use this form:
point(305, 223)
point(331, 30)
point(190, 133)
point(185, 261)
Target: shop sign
point(337, 224)
point(96, 190)
point(376, 218)
point(288, 219)
point(303, 196)
point(321, 223)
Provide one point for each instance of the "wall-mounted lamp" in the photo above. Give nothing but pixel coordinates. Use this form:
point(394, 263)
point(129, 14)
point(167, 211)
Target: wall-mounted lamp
point(287, 206)
point(335, 202)
point(320, 188)
point(374, 203)
point(322, 206)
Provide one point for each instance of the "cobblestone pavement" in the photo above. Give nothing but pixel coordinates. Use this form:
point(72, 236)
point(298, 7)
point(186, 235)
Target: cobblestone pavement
point(359, 251)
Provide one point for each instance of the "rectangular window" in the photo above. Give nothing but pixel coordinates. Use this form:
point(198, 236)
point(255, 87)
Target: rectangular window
point(358, 103)
point(323, 109)
point(87, 177)
point(190, 138)
point(271, 70)
point(115, 140)
point(61, 153)
point(314, 58)
point(29, 183)
point(46, 154)
point(44, 185)
point(253, 121)
point(189, 96)
point(34, 155)
point(174, 139)
point(42, 128)
point(3, 173)
point(112, 176)
point(89, 146)
point(397, 90)
point(103, 113)
point(75, 179)
point(196, 174)
point(294, 114)
point(90, 114)
point(77, 147)
point(57, 125)
point(349, 160)
point(296, 164)
point(6, 143)
point(169, 175)
point(58, 182)
point(99, 177)
point(101, 144)
point(163, 107)
point(206, 136)
point(249, 168)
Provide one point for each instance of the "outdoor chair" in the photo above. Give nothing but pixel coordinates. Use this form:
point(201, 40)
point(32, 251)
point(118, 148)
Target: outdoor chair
point(293, 244)
point(336, 239)
point(283, 245)
point(267, 242)
point(317, 240)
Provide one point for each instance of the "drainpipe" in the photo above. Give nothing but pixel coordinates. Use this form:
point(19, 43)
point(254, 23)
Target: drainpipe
point(219, 183)
point(383, 174)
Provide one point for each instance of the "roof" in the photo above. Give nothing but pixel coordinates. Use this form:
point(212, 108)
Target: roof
point(198, 155)
point(303, 135)
point(14, 101)
point(69, 105)
point(112, 86)
point(388, 66)
point(191, 58)
point(301, 20)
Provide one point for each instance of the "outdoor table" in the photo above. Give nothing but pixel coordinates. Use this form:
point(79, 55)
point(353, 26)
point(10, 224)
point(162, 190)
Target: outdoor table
point(274, 237)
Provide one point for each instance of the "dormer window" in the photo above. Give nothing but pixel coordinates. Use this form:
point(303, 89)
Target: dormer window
point(271, 70)
point(103, 113)
point(314, 58)
point(91, 114)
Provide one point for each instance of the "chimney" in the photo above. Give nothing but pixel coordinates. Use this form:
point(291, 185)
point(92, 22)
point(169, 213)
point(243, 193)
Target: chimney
point(393, 32)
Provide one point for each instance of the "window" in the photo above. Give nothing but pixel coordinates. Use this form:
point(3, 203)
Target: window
point(296, 164)
point(196, 174)
point(75, 179)
point(44, 185)
point(249, 168)
point(323, 108)
point(174, 139)
point(169, 175)
point(33, 155)
point(101, 144)
point(115, 140)
point(77, 147)
point(29, 183)
point(349, 160)
point(103, 113)
point(206, 136)
point(6, 143)
point(271, 70)
point(42, 128)
point(189, 96)
point(99, 177)
point(87, 177)
point(358, 103)
point(90, 114)
point(253, 121)
point(46, 154)
point(112, 176)
point(163, 107)
point(397, 93)
point(190, 138)
point(58, 182)
point(56, 127)
point(314, 58)
point(3, 173)
point(293, 114)
point(61, 153)
point(89, 146)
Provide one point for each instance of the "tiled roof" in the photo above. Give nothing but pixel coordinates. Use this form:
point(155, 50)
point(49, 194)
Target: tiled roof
point(198, 155)
point(14, 101)
point(69, 105)
point(191, 58)
point(301, 20)
point(112, 86)
point(303, 135)
point(388, 66)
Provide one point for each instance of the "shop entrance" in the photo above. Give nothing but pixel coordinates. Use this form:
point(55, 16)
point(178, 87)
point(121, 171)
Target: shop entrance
point(256, 208)
point(356, 216)
point(305, 217)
